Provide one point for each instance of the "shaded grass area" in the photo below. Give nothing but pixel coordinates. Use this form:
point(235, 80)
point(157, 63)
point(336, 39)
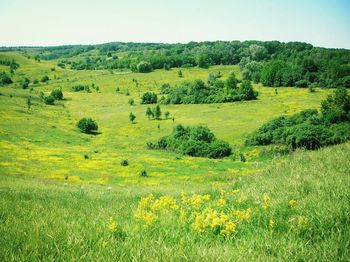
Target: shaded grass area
point(43, 219)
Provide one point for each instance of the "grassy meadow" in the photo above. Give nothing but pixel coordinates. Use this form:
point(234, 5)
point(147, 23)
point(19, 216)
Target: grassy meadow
point(65, 195)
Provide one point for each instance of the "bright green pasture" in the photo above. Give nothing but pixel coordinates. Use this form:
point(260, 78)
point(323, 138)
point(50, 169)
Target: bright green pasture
point(45, 142)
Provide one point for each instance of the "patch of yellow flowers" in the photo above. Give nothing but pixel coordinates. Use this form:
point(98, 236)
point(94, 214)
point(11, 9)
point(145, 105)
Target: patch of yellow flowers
point(221, 215)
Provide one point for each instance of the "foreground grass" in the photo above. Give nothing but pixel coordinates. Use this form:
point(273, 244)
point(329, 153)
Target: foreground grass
point(46, 220)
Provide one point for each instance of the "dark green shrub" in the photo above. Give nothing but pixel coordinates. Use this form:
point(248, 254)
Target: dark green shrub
point(143, 173)
point(49, 100)
point(5, 79)
point(193, 141)
point(25, 83)
point(78, 88)
point(149, 98)
point(124, 162)
point(144, 67)
point(45, 79)
point(87, 125)
point(57, 94)
point(302, 83)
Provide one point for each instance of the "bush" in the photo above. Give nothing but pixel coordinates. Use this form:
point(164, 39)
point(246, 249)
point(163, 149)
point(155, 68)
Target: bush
point(78, 88)
point(216, 91)
point(49, 100)
point(246, 90)
point(87, 125)
point(25, 83)
point(57, 94)
point(124, 162)
point(144, 67)
point(149, 98)
point(302, 83)
point(193, 141)
point(143, 173)
point(5, 79)
point(308, 129)
point(45, 79)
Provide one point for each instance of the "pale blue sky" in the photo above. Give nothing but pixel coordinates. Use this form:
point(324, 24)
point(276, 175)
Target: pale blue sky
point(58, 22)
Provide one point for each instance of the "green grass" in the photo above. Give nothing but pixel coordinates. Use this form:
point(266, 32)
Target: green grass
point(44, 141)
point(47, 220)
point(55, 204)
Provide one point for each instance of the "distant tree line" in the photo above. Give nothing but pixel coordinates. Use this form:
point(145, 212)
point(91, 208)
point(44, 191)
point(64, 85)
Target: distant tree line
point(272, 63)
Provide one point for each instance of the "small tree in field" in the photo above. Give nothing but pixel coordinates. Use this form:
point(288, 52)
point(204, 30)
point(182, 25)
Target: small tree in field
point(29, 103)
point(180, 74)
point(87, 125)
point(157, 113)
point(132, 117)
point(149, 113)
point(166, 114)
point(131, 101)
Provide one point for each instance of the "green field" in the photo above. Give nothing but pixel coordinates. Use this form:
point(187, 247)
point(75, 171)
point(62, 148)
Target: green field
point(59, 187)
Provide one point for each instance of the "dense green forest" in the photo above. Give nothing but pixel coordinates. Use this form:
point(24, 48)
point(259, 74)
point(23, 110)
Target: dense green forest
point(272, 63)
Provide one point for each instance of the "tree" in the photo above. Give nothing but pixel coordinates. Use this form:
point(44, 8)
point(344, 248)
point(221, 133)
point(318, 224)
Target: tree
point(336, 107)
point(57, 94)
point(131, 101)
point(203, 61)
point(132, 117)
point(144, 67)
point(258, 52)
point(87, 125)
point(29, 103)
point(166, 114)
point(247, 91)
point(149, 113)
point(231, 81)
point(180, 74)
point(25, 83)
point(5, 79)
point(149, 98)
point(157, 113)
point(49, 100)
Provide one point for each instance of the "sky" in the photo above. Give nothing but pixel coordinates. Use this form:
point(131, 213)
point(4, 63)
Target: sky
point(323, 23)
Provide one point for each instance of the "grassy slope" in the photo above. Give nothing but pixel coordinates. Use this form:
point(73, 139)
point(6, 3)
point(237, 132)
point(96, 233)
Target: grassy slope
point(45, 142)
point(46, 219)
point(42, 219)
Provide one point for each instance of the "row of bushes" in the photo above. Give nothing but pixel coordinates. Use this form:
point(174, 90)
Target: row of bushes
point(309, 129)
point(193, 141)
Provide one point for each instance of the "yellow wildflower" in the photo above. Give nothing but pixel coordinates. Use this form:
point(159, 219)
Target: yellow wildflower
point(221, 202)
point(112, 225)
point(164, 203)
point(229, 229)
point(271, 224)
point(266, 202)
point(293, 203)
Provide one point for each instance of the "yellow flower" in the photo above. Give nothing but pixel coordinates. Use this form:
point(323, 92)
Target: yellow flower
point(266, 202)
point(271, 224)
point(242, 198)
point(221, 202)
point(235, 191)
point(229, 229)
point(112, 225)
point(248, 214)
point(293, 203)
point(164, 203)
point(183, 215)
